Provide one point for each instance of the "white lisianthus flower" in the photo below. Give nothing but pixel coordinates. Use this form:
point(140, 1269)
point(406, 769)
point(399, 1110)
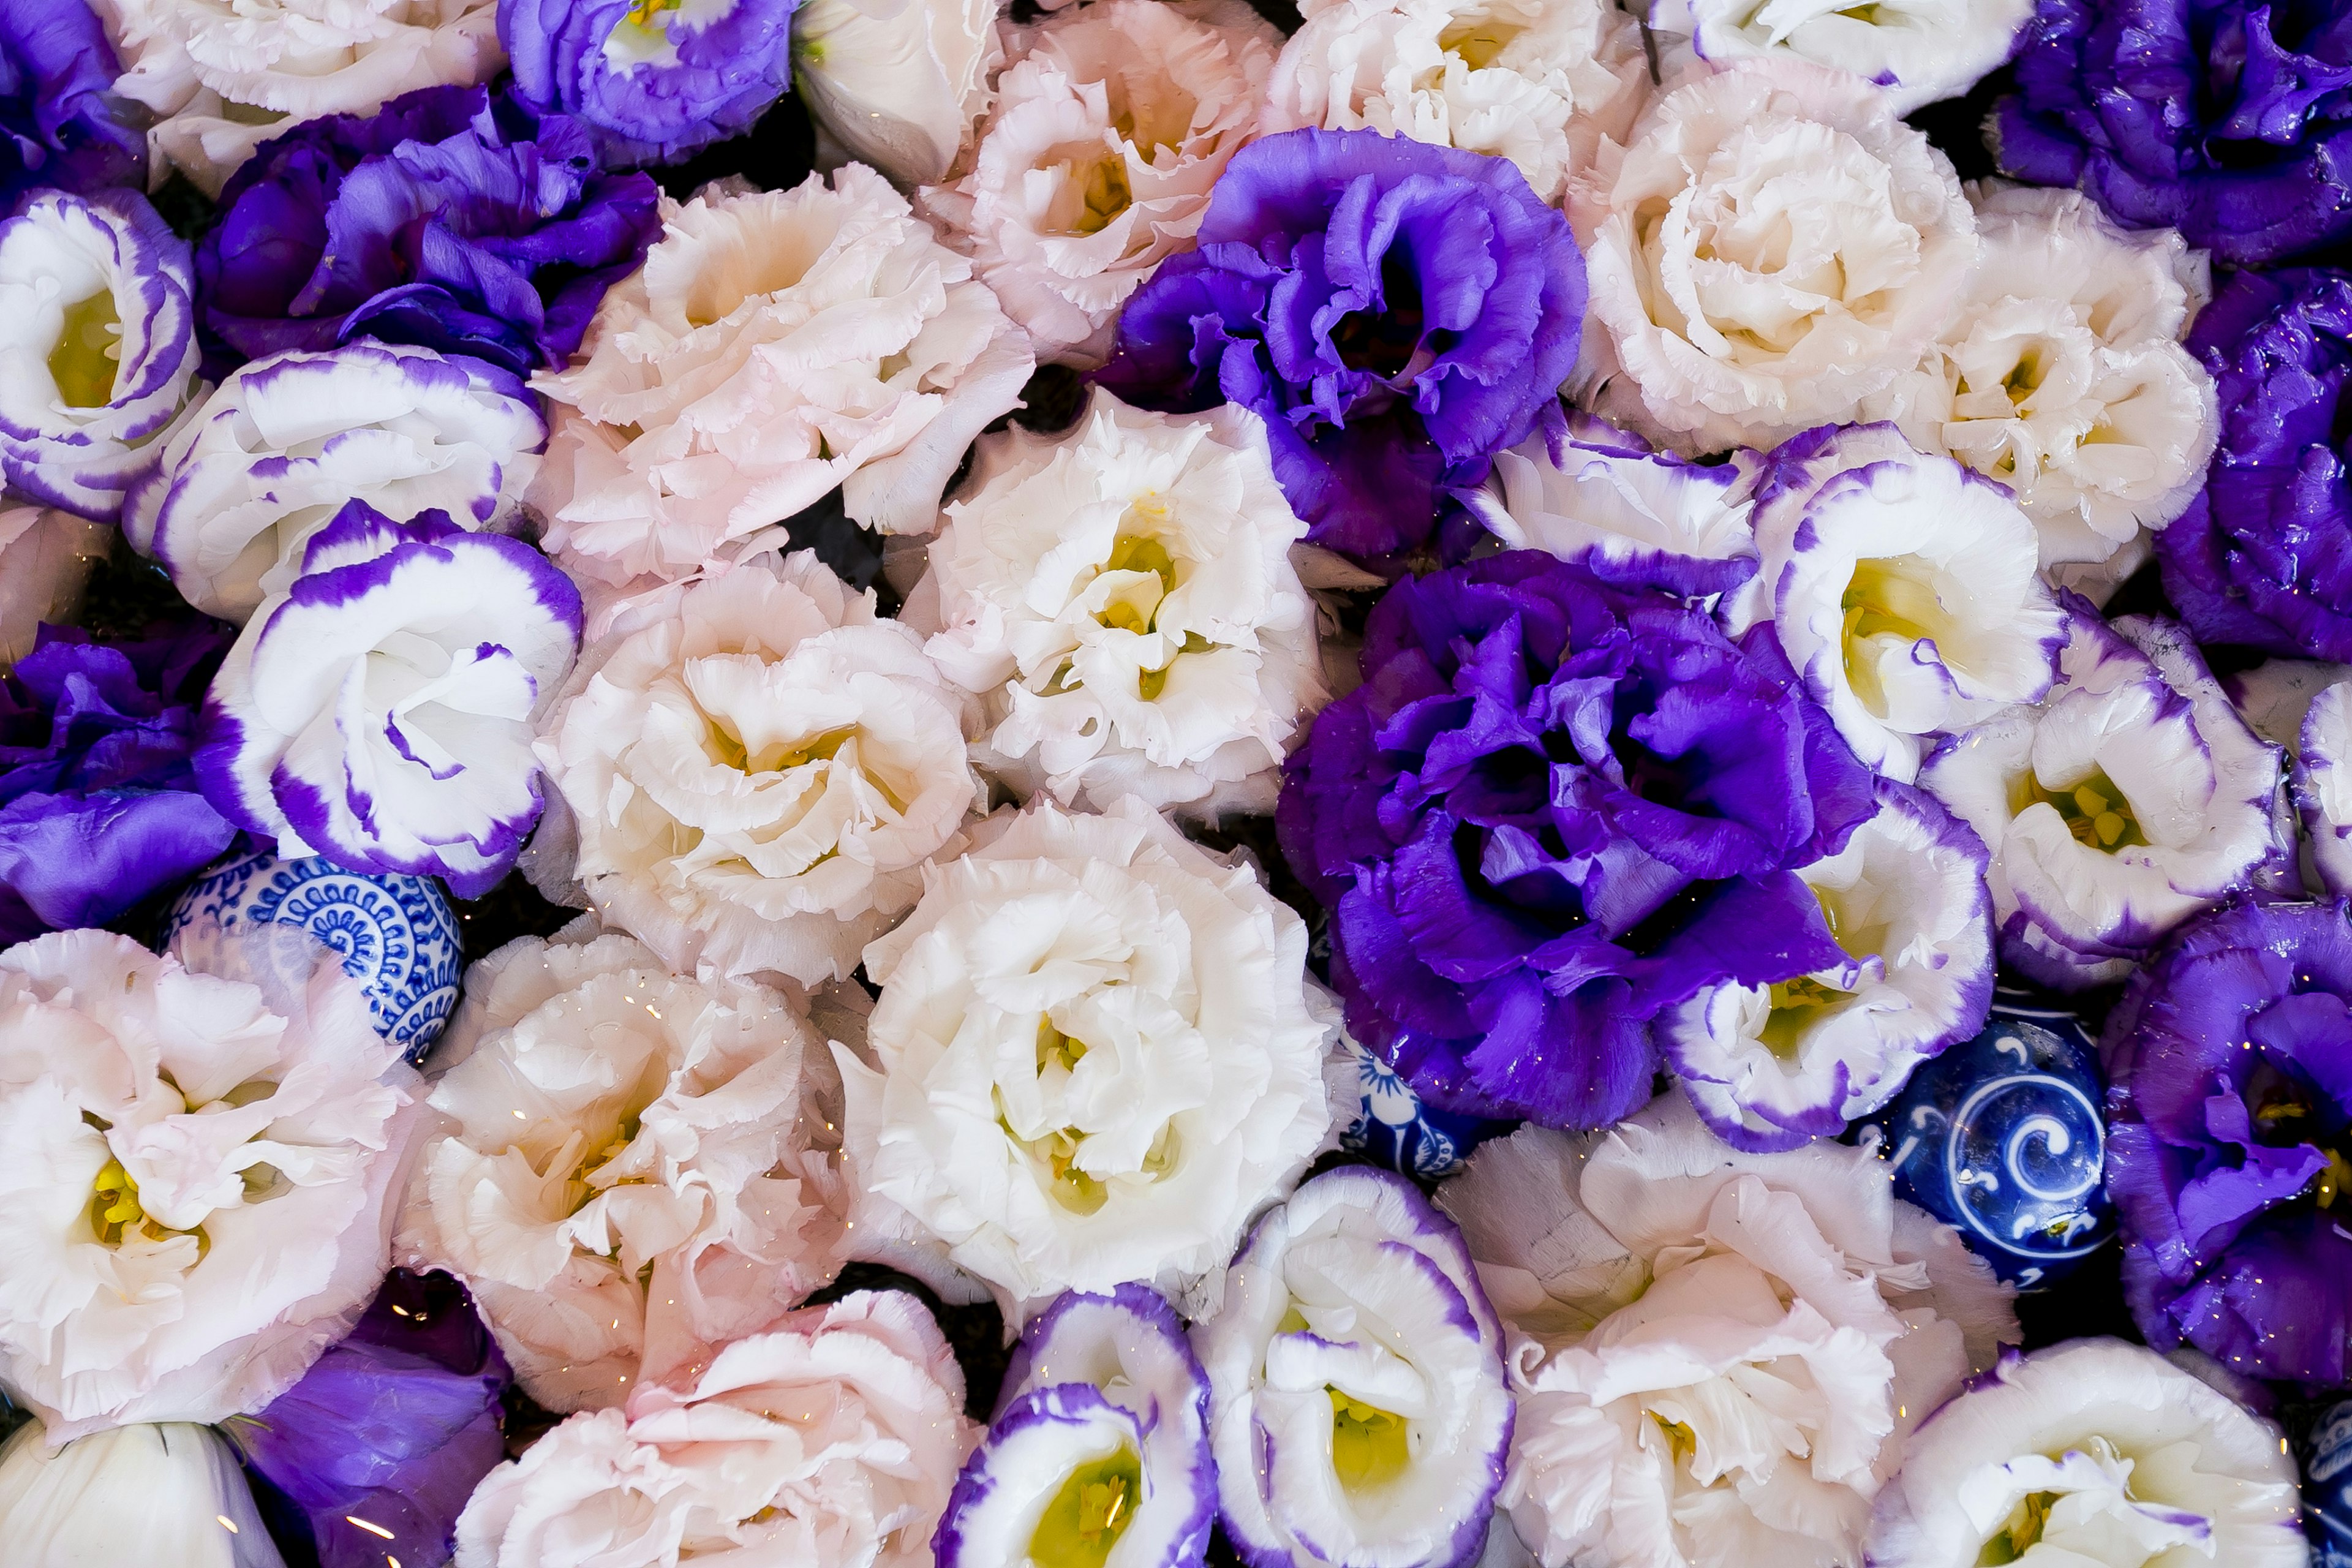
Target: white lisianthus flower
point(775, 344)
point(2062, 375)
point(632, 1174)
point(1717, 1355)
point(1096, 1053)
point(1917, 51)
point(98, 338)
point(200, 1189)
point(1903, 588)
point(1540, 82)
point(2094, 1453)
point(754, 770)
point(898, 83)
point(46, 556)
point(2130, 799)
point(221, 77)
point(1123, 599)
point(283, 442)
point(1770, 1065)
point(2323, 785)
point(831, 1438)
point(1358, 1405)
point(1773, 247)
point(1111, 125)
point(170, 1493)
point(378, 709)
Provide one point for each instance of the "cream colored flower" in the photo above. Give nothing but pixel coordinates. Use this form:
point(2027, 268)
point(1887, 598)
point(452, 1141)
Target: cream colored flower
point(44, 558)
point(898, 83)
point(1917, 51)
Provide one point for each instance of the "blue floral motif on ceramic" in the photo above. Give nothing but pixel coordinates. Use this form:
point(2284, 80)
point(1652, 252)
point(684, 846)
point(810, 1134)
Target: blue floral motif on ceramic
point(2001, 1138)
point(1393, 1127)
point(2327, 1488)
point(398, 935)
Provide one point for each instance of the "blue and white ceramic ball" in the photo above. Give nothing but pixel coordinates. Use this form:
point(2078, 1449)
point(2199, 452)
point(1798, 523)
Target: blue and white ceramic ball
point(2327, 1488)
point(1395, 1129)
point(2001, 1138)
point(398, 935)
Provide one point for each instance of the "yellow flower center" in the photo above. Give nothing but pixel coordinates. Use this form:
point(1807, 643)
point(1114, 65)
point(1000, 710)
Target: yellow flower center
point(2019, 1536)
point(1891, 597)
point(89, 352)
point(1479, 42)
point(1103, 193)
point(116, 1215)
point(1797, 1004)
point(1369, 1445)
point(1089, 1514)
point(643, 11)
point(2097, 814)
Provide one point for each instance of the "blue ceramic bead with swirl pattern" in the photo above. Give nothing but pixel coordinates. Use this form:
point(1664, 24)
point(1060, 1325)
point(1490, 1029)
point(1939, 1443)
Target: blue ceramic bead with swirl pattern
point(2327, 1488)
point(398, 935)
point(1393, 1128)
point(2001, 1138)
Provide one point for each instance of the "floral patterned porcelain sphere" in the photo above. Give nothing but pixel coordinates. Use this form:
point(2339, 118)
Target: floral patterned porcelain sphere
point(1392, 1125)
point(2001, 1138)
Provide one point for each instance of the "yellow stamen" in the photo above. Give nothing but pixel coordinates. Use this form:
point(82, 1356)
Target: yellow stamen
point(1369, 1445)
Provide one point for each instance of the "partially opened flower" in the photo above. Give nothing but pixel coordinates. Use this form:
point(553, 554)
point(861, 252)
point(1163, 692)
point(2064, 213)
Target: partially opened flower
point(452, 219)
point(1903, 588)
point(1917, 50)
point(2130, 799)
point(1110, 124)
point(2093, 1452)
point(56, 128)
point(2227, 1141)
point(378, 710)
point(1723, 1353)
point(201, 1195)
point(221, 77)
point(634, 1174)
point(142, 1493)
point(1539, 83)
point(46, 556)
point(755, 769)
point(1095, 1055)
point(1396, 312)
point(281, 444)
point(2259, 557)
point(2322, 784)
point(1770, 1065)
point(898, 82)
point(775, 344)
point(1554, 808)
point(832, 1439)
point(1358, 1405)
point(2274, 696)
point(2063, 376)
point(99, 798)
point(98, 330)
point(1608, 500)
point(654, 80)
point(1817, 246)
point(1122, 599)
point(1099, 1451)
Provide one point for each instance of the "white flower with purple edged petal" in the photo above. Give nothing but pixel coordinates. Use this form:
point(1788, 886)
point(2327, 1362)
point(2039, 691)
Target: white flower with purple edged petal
point(2091, 1454)
point(1903, 588)
point(1606, 498)
point(1717, 1355)
point(98, 346)
point(2130, 799)
point(1770, 1065)
point(378, 710)
point(2063, 376)
point(754, 769)
point(1122, 598)
point(2323, 785)
point(1099, 1451)
point(282, 443)
point(1916, 50)
point(1097, 1053)
point(898, 83)
point(1358, 1405)
point(630, 1175)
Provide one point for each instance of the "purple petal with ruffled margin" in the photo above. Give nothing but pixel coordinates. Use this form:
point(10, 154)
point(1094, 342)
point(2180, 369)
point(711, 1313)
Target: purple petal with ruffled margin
point(57, 71)
point(724, 74)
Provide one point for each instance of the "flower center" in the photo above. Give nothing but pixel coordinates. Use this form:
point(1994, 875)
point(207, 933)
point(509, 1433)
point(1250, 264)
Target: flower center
point(1386, 341)
point(89, 352)
point(1478, 41)
point(2095, 811)
point(2023, 1530)
point(643, 11)
point(1893, 598)
point(1144, 555)
point(116, 1217)
point(1089, 1514)
point(1797, 1006)
point(1369, 1445)
point(1102, 192)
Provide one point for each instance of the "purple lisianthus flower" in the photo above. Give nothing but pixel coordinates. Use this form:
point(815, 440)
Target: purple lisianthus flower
point(1554, 807)
point(2228, 120)
point(378, 710)
point(2229, 1124)
point(449, 219)
point(1103, 1426)
point(1396, 312)
point(654, 80)
point(99, 805)
point(56, 69)
point(2263, 556)
point(376, 1450)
